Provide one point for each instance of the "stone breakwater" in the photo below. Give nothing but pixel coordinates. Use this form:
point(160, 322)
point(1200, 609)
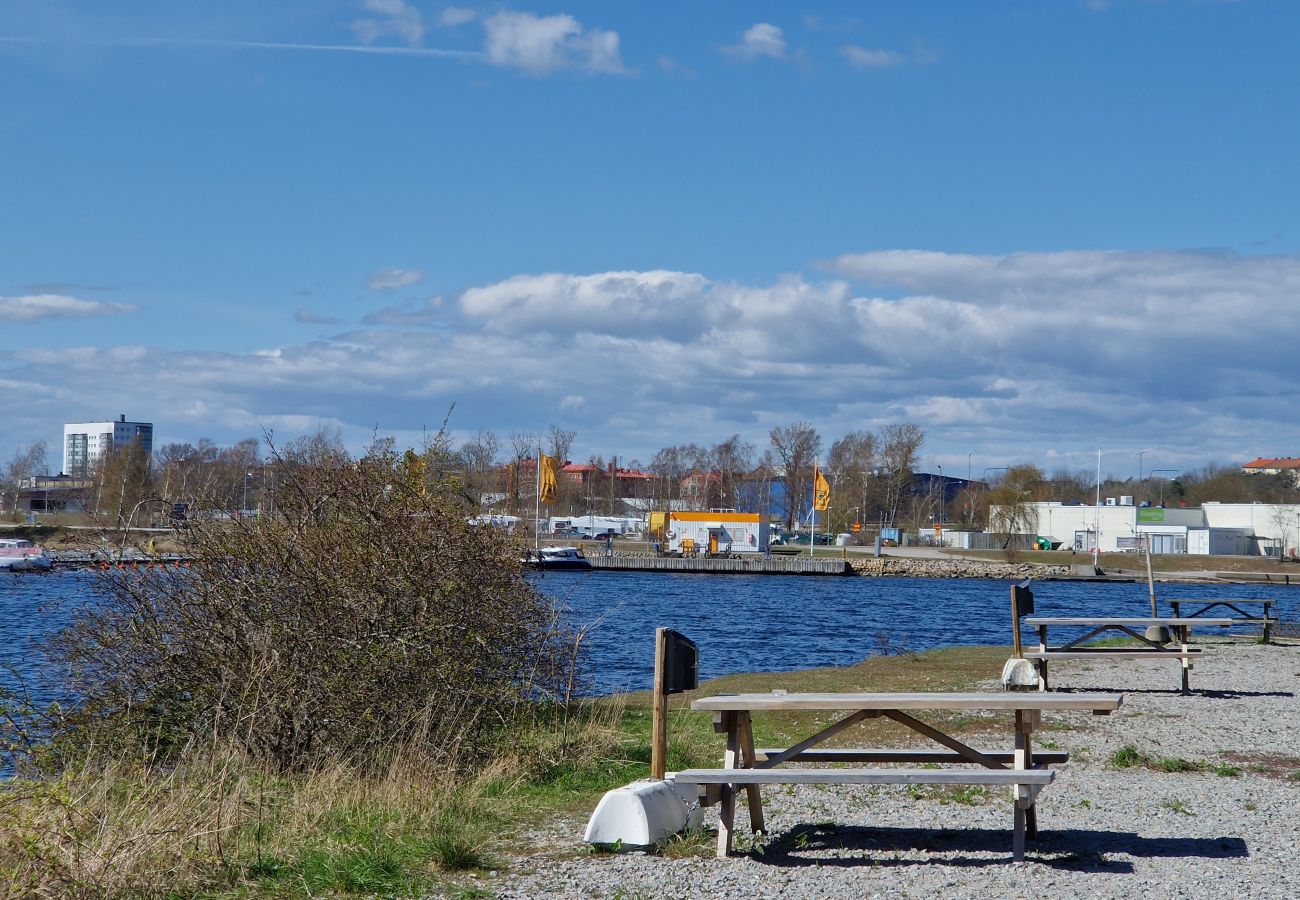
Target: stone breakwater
point(912, 567)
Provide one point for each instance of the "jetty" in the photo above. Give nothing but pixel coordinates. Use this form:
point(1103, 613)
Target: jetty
point(705, 565)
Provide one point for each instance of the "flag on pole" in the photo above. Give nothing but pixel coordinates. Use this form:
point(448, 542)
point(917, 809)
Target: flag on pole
point(548, 479)
point(821, 491)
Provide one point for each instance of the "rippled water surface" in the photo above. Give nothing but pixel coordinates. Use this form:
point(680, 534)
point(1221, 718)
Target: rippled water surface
point(741, 623)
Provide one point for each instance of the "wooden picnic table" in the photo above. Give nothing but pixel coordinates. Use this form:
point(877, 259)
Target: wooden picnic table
point(1018, 767)
point(1199, 607)
point(1184, 652)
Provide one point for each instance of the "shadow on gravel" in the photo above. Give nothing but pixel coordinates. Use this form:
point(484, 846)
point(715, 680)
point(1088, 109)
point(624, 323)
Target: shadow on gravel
point(1172, 692)
point(1070, 849)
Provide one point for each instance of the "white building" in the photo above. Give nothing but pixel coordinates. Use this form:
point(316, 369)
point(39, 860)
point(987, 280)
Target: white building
point(85, 444)
point(1234, 529)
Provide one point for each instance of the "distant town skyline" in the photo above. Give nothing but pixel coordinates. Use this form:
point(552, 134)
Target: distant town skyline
point(1031, 228)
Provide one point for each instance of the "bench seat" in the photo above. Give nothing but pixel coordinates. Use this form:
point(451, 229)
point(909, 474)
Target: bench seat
point(1115, 652)
point(867, 776)
point(1043, 757)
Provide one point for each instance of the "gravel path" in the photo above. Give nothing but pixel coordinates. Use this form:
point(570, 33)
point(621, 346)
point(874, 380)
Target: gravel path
point(1104, 832)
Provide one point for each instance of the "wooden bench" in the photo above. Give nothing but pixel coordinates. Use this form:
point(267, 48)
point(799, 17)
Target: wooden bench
point(1183, 652)
point(1230, 604)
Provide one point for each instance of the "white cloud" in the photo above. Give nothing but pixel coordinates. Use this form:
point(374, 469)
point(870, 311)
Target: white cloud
point(36, 307)
point(540, 45)
point(393, 279)
point(862, 58)
point(759, 40)
point(393, 18)
point(427, 312)
point(306, 316)
point(1027, 356)
point(454, 16)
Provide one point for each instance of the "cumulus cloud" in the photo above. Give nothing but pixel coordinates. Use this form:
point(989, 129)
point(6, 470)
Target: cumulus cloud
point(1026, 356)
point(392, 18)
point(305, 316)
point(37, 307)
point(862, 58)
point(454, 16)
point(540, 45)
point(426, 312)
point(759, 40)
point(393, 279)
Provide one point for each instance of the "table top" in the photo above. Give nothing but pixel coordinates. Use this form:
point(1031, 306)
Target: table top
point(1117, 620)
point(1210, 601)
point(1004, 700)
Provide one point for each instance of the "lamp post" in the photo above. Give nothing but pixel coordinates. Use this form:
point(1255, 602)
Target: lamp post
point(943, 488)
point(1140, 455)
point(1163, 480)
point(243, 509)
point(968, 456)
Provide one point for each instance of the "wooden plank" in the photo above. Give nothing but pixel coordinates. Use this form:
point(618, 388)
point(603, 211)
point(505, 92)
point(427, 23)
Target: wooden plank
point(727, 802)
point(1112, 653)
point(884, 701)
point(1088, 620)
point(747, 755)
point(742, 777)
point(855, 755)
point(934, 734)
point(826, 733)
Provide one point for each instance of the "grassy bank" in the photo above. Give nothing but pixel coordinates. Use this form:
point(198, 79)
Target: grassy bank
point(219, 825)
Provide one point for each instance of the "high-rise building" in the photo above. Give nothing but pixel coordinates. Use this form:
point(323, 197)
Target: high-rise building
point(85, 444)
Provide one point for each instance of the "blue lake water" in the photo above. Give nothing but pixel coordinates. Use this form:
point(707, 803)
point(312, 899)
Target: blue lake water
point(741, 623)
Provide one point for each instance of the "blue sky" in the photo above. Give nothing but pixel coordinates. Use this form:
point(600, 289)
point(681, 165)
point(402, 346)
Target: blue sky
point(1030, 227)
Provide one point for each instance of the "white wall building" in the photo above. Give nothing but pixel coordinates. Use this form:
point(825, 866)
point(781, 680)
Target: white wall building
point(1245, 529)
point(85, 444)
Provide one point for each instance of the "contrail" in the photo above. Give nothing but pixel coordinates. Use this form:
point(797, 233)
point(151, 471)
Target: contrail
point(223, 44)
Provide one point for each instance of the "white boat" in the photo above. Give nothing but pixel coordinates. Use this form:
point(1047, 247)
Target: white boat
point(557, 558)
point(18, 555)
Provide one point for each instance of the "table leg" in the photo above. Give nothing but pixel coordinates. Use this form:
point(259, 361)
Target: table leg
point(1185, 634)
point(1022, 795)
point(1018, 835)
point(727, 801)
point(746, 732)
point(1267, 607)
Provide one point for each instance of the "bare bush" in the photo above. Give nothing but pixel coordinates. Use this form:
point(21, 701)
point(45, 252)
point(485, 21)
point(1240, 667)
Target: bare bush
point(364, 614)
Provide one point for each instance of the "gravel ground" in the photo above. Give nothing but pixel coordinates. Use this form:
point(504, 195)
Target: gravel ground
point(1103, 831)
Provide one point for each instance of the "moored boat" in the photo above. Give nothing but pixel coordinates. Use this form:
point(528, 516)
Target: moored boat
point(557, 558)
point(19, 555)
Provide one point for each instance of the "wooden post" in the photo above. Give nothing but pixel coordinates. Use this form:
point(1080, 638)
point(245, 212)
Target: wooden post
point(659, 714)
point(1015, 623)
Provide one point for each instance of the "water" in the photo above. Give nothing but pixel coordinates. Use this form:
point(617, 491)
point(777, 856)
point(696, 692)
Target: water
point(757, 623)
point(741, 623)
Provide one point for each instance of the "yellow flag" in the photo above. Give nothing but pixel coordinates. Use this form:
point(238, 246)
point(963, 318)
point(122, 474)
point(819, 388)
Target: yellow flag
point(548, 483)
point(821, 491)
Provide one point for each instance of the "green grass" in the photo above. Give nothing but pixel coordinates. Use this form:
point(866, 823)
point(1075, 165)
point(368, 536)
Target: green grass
point(1129, 757)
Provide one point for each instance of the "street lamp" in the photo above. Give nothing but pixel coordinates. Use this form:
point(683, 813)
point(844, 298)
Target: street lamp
point(1140, 455)
point(943, 487)
point(1163, 480)
point(243, 510)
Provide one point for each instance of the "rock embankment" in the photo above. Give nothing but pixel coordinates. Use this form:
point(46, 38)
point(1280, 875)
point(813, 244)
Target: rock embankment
point(911, 567)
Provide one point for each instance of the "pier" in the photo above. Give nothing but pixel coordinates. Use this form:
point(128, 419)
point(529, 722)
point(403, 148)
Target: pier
point(746, 565)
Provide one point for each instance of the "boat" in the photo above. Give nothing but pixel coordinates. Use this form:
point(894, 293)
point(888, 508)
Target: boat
point(18, 555)
point(557, 558)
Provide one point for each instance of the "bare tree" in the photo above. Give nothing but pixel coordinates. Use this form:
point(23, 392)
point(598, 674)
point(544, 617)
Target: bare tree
point(796, 447)
point(522, 479)
point(900, 448)
point(731, 459)
point(852, 460)
point(1011, 503)
point(27, 462)
point(479, 455)
point(560, 441)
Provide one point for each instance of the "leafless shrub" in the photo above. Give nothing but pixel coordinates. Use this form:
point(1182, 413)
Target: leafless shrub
point(364, 614)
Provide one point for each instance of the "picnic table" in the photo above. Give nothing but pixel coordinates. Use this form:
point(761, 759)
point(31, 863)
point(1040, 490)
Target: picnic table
point(1018, 767)
point(1199, 608)
point(1184, 652)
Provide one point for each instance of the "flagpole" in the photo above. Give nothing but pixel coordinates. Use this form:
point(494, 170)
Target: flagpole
point(812, 513)
point(537, 507)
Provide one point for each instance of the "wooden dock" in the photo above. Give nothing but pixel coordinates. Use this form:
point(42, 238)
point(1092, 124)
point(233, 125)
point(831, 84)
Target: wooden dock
point(746, 565)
